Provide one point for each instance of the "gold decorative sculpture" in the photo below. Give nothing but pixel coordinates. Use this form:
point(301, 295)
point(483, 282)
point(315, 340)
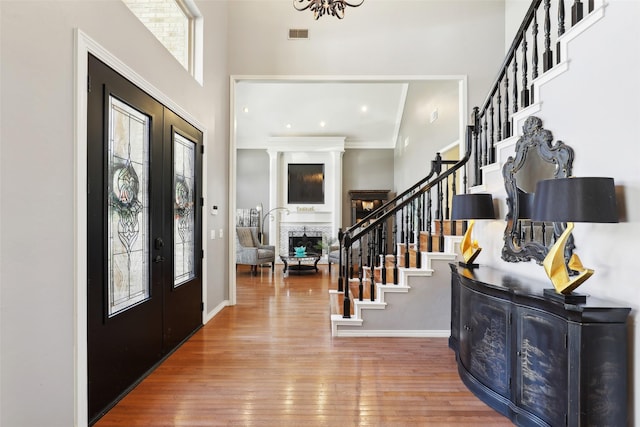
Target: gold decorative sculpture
point(572, 200)
point(471, 207)
point(469, 247)
point(556, 269)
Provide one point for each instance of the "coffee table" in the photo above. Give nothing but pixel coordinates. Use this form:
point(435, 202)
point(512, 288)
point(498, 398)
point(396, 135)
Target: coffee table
point(300, 263)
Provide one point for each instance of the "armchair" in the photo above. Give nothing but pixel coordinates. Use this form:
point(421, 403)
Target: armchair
point(334, 254)
point(250, 251)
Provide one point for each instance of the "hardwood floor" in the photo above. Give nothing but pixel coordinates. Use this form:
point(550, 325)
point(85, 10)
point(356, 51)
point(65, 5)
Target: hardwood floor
point(271, 361)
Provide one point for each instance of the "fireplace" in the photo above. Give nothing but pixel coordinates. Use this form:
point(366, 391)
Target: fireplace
point(311, 240)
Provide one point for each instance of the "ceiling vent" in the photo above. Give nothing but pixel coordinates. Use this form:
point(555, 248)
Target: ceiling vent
point(298, 34)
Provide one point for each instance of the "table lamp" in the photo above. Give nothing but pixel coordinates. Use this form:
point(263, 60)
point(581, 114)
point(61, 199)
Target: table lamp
point(471, 207)
point(572, 200)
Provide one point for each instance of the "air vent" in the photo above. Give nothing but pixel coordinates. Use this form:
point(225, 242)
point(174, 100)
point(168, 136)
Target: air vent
point(298, 34)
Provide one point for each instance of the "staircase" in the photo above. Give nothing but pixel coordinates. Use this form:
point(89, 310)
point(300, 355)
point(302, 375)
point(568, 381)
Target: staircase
point(400, 285)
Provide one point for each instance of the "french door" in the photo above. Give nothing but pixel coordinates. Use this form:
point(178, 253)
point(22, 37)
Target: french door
point(144, 265)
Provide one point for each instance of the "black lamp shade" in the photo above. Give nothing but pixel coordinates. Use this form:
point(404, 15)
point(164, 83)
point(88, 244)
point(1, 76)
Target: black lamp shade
point(575, 200)
point(472, 206)
point(525, 204)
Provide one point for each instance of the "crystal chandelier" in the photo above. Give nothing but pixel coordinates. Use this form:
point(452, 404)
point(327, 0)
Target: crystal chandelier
point(322, 7)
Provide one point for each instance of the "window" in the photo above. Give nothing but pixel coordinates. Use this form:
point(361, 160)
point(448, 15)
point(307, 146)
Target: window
point(176, 24)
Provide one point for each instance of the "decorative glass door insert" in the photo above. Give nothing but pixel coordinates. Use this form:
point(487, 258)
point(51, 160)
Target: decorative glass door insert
point(128, 207)
point(184, 157)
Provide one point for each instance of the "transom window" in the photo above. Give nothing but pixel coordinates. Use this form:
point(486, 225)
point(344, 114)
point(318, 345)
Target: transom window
point(173, 22)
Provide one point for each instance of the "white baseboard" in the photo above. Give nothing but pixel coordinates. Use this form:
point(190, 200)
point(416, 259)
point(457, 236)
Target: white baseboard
point(391, 333)
point(210, 315)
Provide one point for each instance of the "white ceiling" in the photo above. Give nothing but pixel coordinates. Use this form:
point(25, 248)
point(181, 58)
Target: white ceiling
point(367, 113)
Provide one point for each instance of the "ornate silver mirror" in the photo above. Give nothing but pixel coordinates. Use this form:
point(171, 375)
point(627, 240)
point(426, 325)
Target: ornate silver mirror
point(536, 159)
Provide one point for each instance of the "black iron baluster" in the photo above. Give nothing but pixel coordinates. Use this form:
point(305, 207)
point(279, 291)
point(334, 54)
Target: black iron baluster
point(576, 12)
point(524, 96)
point(360, 272)
point(453, 193)
point(477, 161)
point(417, 238)
point(506, 132)
point(560, 29)
point(534, 53)
point(346, 304)
point(547, 56)
point(429, 220)
point(383, 268)
point(487, 160)
point(340, 254)
point(440, 218)
point(406, 239)
point(395, 249)
point(492, 140)
point(591, 6)
point(351, 265)
point(515, 82)
point(499, 105)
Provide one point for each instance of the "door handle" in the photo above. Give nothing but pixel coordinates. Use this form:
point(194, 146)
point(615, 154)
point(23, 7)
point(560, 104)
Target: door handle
point(158, 243)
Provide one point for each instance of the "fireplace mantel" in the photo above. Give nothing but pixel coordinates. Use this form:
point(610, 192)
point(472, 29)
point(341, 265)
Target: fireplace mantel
point(324, 217)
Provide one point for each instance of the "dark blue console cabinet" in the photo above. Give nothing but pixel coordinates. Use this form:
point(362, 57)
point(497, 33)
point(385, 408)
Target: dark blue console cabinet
point(534, 359)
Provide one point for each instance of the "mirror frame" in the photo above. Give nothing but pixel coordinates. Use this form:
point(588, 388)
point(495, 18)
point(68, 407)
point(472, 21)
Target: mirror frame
point(537, 140)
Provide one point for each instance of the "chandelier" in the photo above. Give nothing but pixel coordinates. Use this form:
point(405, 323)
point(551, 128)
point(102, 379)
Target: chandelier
point(325, 7)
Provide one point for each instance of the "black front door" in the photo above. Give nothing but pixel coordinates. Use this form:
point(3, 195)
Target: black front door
point(144, 262)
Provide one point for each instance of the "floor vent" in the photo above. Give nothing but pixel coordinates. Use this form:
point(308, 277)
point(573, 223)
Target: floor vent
point(297, 34)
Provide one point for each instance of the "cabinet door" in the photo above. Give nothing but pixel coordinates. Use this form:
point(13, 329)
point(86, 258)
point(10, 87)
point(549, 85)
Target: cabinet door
point(484, 335)
point(542, 365)
point(454, 339)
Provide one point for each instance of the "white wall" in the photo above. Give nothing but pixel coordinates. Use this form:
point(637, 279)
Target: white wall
point(594, 109)
point(252, 184)
point(514, 12)
point(384, 37)
point(37, 177)
point(419, 138)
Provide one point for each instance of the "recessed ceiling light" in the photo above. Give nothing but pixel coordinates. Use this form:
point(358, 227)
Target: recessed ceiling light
point(288, 126)
point(364, 108)
point(322, 124)
point(245, 109)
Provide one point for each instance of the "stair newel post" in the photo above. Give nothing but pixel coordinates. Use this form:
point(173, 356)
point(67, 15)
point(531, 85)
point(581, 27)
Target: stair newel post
point(524, 96)
point(560, 29)
point(340, 263)
point(534, 52)
point(346, 305)
point(547, 56)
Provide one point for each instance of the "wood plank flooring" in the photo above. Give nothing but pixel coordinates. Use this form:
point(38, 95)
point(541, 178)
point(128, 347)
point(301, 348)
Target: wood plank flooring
point(271, 361)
